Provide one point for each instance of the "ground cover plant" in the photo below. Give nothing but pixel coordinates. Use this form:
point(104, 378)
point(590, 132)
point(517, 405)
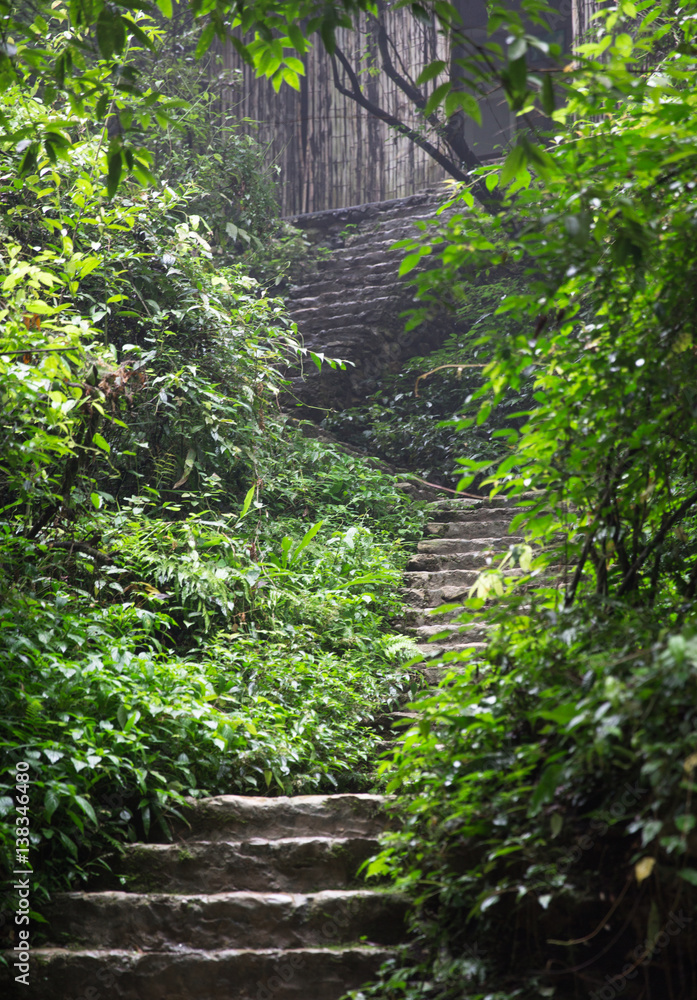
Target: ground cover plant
point(193, 597)
point(549, 789)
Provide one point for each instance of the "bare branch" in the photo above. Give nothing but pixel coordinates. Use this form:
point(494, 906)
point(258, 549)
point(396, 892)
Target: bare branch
point(357, 95)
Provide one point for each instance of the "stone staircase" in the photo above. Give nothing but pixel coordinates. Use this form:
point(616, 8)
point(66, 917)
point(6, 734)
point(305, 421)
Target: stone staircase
point(462, 540)
point(348, 306)
point(260, 898)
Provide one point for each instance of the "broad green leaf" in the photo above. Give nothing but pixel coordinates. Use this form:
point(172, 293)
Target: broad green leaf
point(99, 442)
point(437, 97)
point(513, 164)
point(248, 501)
point(51, 803)
point(87, 808)
point(432, 70)
point(204, 42)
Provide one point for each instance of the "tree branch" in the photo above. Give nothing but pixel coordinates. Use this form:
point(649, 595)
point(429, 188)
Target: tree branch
point(357, 95)
point(655, 542)
point(88, 550)
point(486, 198)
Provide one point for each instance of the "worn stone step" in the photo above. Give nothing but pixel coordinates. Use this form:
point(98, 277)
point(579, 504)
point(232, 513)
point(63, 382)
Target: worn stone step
point(410, 618)
point(351, 276)
point(478, 515)
point(457, 505)
point(453, 558)
point(435, 650)
point(225, 974)
point(449, 635)
point(482, 546)
point(450, 577)
point(424, 618)
point(166, 922)
point(326, 280)
point(431, 597)
point(332, 296)
point(374, 305)
point(499, 528)
point(224, 817)
point(292, 864)
point(433, 675)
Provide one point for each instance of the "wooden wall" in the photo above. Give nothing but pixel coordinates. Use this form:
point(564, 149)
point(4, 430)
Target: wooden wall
point(331, 153)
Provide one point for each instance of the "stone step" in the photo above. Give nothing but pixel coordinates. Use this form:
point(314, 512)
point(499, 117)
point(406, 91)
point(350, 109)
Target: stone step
point(420, 618)
point(452, 504)
point(291, 864)
point(471, 529)
point(336, 340)
point(224, 974)
point(433, 596)
point(462, 558)
point(374, 305)
point(475, 514)
point(279, 817)
point(449, 577)
point(436, 650)
point(480, 547)
point(166, 922)
point(333, 296)
point(375, 275)
point(449, 636)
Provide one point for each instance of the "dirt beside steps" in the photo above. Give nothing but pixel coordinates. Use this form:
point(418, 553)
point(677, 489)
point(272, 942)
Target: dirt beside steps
point(259, 899)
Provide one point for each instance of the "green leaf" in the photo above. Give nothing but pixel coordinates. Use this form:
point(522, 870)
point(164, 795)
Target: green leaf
point(518, 74)
point(468, 103)
point(294, 64)
point(86, 808)
point(517, 49)
point(51, 803)
point(304, 542)
point(548, 101)
point(689, 875)
point(297, 38)
point(437, 97)
point(114, 173)
point(69, 843)
point(409, 263)
point(204, 42)
point(431, 71)
point(106, 35)
point(165, 7)
point(131, 721)
point(99, 442)
point(248, 501)
point(545, 788)
point(513, 164)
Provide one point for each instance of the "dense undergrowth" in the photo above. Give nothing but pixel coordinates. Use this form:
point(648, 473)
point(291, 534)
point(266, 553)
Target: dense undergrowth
point(548, 788)
point(194, 597)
